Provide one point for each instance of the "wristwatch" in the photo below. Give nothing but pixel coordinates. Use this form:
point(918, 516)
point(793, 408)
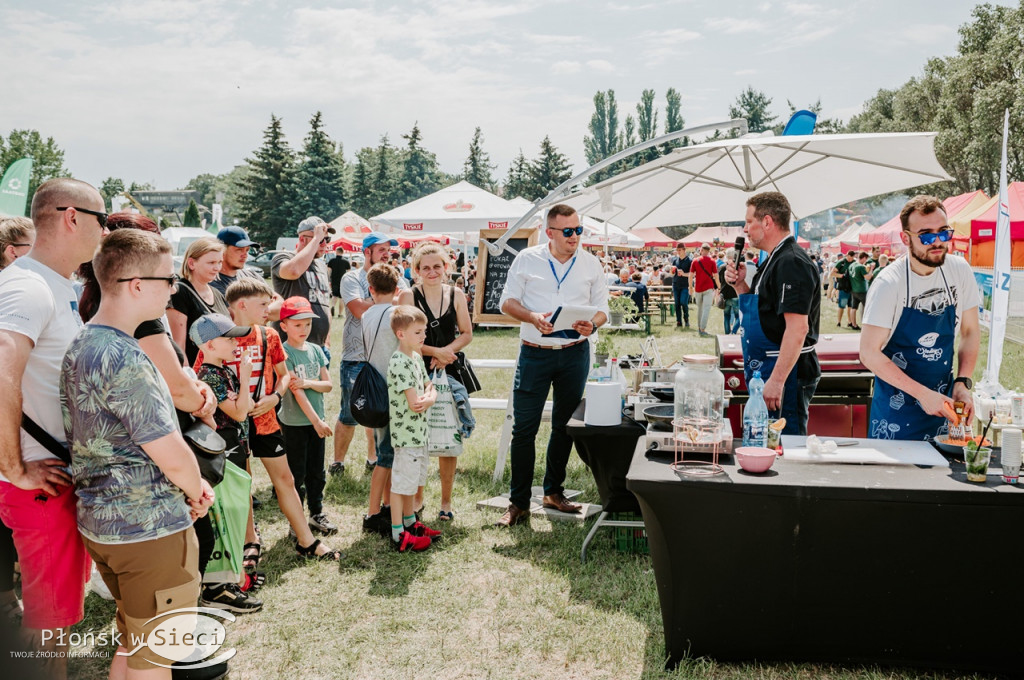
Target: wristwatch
point(968, 383)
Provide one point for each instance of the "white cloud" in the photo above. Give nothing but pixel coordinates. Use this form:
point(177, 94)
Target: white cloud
point(929, 34)
point(601, 66)
point(733, 26)
point(566, 68)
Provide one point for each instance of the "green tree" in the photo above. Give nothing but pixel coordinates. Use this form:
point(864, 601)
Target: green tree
point(647, 126)
point(386, 182)
point(478, 167)
point(319, 184)
point(47, 157)
point(363, 182)
point(604, 139)
point(206, 185)
point(518, 182)
point(674, 117)
point(141, 186)
point(550, 169)
point(419, 168)
point(111, 186)
point(191, 217)
point(753, 105)
point(265, 191)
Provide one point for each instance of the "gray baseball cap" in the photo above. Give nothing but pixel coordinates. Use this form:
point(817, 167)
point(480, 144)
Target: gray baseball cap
point(309, 224)
point(212, 326)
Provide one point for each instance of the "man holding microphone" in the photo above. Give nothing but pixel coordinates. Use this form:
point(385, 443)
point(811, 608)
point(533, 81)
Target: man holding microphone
point(779, 312)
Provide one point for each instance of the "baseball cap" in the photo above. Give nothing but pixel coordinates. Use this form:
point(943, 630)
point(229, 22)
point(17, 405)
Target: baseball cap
point(212, 326)
point(297, 308)
point(234, 236)
point(309, 224)
point(705, 246)
point(375, 237)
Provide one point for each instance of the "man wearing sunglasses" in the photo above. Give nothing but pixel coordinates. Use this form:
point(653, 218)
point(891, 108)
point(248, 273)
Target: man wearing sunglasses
point(541, 279)
point(915, 309)
point(305, 274)
point(38, 320)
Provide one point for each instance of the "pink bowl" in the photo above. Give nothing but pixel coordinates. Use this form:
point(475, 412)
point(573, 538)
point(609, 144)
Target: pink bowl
point(755, 458)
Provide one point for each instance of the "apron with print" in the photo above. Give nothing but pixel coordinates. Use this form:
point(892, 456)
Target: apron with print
point(922, 347)
point(761, 354)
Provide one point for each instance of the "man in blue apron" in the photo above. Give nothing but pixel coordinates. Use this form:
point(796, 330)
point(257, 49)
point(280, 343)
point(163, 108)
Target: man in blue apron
point(779, 311)
point(915, 309)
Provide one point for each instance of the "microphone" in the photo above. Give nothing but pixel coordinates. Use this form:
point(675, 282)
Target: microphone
point(738, 253)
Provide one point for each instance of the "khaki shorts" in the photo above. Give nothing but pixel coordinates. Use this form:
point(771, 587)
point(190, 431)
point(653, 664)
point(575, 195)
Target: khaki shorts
point(409, 471)
point(148, 578)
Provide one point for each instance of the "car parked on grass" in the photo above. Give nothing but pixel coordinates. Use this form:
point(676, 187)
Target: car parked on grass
point(264, 260)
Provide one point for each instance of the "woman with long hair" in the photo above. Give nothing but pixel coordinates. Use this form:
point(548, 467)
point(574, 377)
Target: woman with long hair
point(195, 296)
point(449, 331)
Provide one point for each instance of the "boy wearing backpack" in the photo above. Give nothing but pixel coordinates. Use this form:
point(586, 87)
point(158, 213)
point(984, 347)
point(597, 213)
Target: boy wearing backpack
point(379, 343)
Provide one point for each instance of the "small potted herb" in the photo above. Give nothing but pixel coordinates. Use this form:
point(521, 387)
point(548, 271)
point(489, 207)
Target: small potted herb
point(619, 307)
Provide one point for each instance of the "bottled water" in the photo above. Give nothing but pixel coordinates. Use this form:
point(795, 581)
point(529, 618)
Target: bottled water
point(755, 415)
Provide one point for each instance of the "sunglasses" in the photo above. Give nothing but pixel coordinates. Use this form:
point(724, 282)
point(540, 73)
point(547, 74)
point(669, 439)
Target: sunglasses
point(927, 238)
point(101, 217)
point(171, 280)
point(569, 231)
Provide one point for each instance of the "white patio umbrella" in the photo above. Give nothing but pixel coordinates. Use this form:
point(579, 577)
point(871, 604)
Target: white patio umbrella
point(710, 182)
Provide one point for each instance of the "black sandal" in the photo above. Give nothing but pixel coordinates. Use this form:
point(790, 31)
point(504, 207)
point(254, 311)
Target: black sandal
point(309, 552)
point(251, 557)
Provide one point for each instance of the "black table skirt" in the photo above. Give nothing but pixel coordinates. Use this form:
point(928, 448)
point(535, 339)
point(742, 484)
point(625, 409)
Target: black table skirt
point(897, 565)
point(607, 451)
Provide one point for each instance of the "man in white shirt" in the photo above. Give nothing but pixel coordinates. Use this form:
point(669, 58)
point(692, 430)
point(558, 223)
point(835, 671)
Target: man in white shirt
point(915, 309)
point(38, 320)
point(541, 279)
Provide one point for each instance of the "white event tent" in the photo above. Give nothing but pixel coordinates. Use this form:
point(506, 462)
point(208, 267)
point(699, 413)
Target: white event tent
point(458, 210)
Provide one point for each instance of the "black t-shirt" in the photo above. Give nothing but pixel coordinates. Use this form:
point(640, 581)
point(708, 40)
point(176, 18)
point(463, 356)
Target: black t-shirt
point(338, 267)
point(681, 264)
point(728, 292)
point(187, 301)
point(843, 283)
point(788, 282)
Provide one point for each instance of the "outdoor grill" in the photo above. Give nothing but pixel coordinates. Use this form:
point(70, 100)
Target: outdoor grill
point(842, 401)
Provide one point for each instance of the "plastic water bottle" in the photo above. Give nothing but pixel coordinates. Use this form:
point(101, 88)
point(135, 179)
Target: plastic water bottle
point(617, 376)
point(598, 373)
point(755, 415)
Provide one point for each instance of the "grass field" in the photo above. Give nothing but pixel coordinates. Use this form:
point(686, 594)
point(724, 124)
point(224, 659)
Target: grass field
point(484, 603)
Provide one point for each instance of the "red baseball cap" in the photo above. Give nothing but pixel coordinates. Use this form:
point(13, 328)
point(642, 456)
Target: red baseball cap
point(297, 308)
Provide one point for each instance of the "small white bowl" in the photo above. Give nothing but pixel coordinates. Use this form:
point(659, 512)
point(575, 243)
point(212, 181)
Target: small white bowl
point(755, 458)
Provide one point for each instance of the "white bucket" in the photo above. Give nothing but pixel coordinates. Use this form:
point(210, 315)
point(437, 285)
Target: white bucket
point(604, 403)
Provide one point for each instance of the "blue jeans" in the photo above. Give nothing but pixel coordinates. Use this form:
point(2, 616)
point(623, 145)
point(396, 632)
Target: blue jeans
point(564, 372)
point(796, 422)
point(732, 316)
point(681, 298)
point(382, 444)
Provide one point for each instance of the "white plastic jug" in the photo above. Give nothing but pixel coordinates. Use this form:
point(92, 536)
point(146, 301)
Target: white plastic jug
point(604, 403)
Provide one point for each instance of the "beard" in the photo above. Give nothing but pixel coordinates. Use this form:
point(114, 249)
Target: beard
point(929, 259)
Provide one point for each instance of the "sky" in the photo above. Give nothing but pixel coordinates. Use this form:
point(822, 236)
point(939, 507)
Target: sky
point(160, 91)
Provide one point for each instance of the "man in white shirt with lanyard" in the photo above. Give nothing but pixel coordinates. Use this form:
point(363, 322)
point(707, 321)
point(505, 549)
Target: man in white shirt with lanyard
point(541, 279)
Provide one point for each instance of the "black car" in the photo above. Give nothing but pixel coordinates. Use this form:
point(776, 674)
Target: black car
point(263, 261)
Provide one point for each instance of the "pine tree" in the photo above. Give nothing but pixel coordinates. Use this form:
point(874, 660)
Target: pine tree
point(191, 217)
point(266, 190)
point(320, 177)
point(518, 182)
point(548, 170)
point(362, 181)
point(386, 180)
point(753, 105)
point(419, 169)
point(478, 168)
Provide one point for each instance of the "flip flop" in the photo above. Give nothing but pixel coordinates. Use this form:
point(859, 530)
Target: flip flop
point(446, 515)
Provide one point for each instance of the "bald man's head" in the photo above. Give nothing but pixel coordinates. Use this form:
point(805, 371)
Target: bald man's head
point(62, 192)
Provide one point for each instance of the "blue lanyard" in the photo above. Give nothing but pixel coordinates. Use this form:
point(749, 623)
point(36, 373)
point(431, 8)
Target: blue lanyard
point(559, 281)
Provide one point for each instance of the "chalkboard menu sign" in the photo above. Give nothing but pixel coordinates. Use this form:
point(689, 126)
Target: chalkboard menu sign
point(492, 272)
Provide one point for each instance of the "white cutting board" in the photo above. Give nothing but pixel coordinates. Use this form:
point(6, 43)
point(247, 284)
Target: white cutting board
point(871, 452)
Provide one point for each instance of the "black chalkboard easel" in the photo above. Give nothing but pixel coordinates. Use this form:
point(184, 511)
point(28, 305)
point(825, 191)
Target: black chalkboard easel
point(492, 271)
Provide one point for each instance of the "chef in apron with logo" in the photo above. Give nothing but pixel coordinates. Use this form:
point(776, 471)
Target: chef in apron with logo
point(922, 347)
point(761, 354)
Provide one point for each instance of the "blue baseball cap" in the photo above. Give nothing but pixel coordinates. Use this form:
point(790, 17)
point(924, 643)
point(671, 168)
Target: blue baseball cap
point(375, 237)
point(212, 326)
point(234, 236)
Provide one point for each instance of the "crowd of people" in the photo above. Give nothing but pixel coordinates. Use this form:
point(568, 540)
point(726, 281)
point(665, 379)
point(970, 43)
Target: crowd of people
point(118, 365)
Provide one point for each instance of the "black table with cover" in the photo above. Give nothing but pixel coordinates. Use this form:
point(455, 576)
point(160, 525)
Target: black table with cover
point(608, 451)
point(889, 564)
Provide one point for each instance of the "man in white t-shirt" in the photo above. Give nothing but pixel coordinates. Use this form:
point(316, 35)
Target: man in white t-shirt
point(38, 320)
point(915, 309)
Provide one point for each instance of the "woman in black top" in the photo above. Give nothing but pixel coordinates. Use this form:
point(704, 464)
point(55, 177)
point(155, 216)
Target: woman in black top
point(195, 296)
point(449, 330)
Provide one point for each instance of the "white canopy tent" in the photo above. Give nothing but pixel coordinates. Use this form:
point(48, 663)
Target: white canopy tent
point(459, 209)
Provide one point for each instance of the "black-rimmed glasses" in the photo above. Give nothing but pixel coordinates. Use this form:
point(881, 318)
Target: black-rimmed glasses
point(171, 280)
point(101, 217)
point(928, 237)
point(569, 231)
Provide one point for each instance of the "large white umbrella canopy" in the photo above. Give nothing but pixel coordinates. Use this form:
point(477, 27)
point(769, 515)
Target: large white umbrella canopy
point(351, 223)
point(460, 208)
point(710, 182)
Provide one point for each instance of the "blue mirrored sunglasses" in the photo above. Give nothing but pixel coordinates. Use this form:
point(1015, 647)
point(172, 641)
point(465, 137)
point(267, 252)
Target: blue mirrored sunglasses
point(927, 238)
point(572, 230)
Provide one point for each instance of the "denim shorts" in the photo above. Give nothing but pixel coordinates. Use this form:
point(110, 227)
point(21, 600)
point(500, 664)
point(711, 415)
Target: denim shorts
point(382, 443)
point(349, 371)
point(844, 299)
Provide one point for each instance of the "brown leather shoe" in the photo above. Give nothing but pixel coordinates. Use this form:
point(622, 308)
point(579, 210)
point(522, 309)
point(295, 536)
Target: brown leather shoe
point(557, 501)
point(513, 516)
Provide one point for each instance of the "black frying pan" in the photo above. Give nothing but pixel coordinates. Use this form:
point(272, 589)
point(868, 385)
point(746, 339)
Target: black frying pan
point(660, 415)
point(663, 393)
